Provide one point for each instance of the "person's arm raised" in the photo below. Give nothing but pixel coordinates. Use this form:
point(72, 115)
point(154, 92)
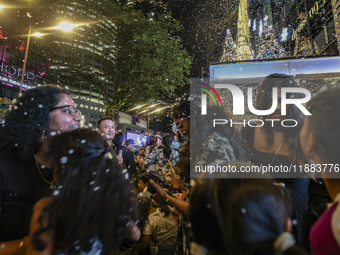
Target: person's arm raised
point(163, 198)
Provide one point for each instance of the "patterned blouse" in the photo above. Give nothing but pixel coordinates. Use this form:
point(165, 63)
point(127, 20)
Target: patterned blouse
point(217, 148)
point(158, 162)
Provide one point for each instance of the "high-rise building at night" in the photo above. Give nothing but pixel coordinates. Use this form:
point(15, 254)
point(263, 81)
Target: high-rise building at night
point(83, 59)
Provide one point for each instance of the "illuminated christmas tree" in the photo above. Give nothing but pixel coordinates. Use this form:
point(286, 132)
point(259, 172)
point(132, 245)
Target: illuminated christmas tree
point(229, 49)
point(269, 46)
point(244, 51)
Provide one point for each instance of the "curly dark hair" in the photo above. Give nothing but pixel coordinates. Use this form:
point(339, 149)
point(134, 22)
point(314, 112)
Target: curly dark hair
point(94, 197)
point(27, 119)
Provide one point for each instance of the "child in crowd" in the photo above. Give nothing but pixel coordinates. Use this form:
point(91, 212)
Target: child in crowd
point(320, 141)
point(92, 208)
point(143, 184)
point(160, 224)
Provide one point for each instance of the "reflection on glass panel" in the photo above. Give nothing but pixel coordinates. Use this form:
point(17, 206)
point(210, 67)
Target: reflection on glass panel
point(86, 107)
point(96, 108)
point(85, 92)
point(95, 94)
point(94, 100)
point(75, 96)
point(81, 105)
point(91, 107)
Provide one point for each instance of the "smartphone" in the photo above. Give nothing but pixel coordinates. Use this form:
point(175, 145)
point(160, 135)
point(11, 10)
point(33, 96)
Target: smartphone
point(157, 179)
point(120, 153)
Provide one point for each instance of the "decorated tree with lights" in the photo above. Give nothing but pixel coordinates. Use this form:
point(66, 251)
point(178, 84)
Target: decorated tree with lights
point(269, 46)
point(229, 49)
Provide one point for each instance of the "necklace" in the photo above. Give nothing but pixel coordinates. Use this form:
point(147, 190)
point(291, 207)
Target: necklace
point(277, 153)
point(52, 186)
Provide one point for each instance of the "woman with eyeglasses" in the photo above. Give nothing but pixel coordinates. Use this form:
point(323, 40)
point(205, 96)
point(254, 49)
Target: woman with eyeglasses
point(25, 167)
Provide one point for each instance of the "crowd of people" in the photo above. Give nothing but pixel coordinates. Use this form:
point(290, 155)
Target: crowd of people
point(71, 190)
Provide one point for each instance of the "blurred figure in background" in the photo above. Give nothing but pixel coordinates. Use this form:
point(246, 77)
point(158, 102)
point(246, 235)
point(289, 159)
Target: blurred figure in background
point(320, 140)
point(275, 145)
point(130, 144)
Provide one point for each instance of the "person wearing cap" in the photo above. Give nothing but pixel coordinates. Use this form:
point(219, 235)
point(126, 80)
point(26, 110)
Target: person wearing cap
point(158, 141)
point(130, 144)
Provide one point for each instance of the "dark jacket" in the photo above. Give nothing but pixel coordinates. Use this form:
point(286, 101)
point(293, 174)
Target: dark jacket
point(128, 159)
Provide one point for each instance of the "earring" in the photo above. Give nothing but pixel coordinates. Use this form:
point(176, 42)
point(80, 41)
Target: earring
point(43, 134)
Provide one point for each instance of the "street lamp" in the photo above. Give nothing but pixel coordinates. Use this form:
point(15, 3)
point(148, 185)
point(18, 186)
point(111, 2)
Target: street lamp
point(1, 6)
point(64, 26)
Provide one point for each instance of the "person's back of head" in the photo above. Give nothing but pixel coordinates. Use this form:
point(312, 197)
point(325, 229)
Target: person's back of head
point(145, 177)
point(254, 214)
point(118, 139)
point(238, 216)
point(203, 217)
point(167, 141)
point(144, 206)
point(87, 171)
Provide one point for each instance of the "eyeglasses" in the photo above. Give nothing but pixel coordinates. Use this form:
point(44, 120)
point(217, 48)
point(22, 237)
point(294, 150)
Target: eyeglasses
point(71, 110)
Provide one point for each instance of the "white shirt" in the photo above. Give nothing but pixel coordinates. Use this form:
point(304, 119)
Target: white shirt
point(163, 229)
